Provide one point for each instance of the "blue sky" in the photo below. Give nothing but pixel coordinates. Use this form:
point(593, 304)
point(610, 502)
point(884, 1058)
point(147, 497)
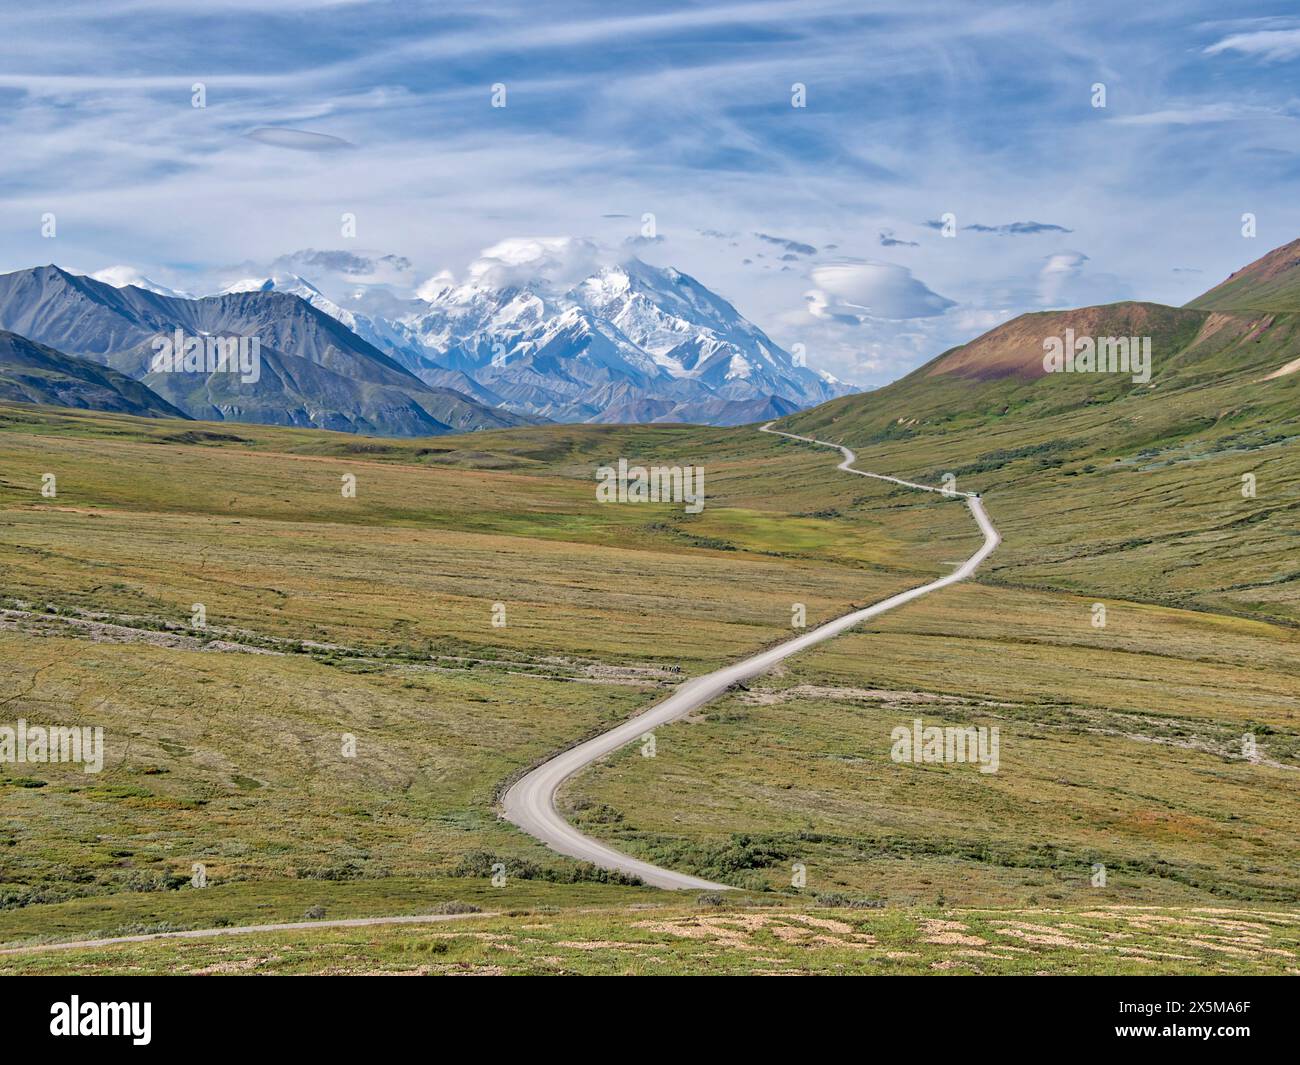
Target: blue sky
point(816, 222)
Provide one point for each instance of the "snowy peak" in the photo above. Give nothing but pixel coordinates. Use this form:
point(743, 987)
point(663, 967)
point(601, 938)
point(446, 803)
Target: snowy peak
point(292, 285)
point(638, 337)
point(124, 276)
point(693, 332)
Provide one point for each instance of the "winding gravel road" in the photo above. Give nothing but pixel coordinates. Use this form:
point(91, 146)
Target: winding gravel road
point(530, 801)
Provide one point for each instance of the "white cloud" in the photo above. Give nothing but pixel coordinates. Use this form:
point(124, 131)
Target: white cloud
point(1272, 45)
point(557, 261)
point(975, 320)
point(298, 140)
point(856, 291)
point(1196, 116)
point(121, 276)
point(1057, 271)
point(439, 281)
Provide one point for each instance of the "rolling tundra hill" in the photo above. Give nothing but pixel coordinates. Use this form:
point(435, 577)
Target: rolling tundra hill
point(1270, 283)
point(1240, 332)
point(1183, 489)
point(999, 377)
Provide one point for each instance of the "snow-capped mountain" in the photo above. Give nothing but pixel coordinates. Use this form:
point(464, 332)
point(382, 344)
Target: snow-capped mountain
point(628, 342)
point(129, 276)
point(539, 330)
point(390, 334)
point(294, 286)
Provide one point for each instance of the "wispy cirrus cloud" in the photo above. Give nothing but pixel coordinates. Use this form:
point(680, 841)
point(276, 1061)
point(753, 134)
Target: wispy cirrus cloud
point(1276, 46)
point(298, 140)
point(1199, 115)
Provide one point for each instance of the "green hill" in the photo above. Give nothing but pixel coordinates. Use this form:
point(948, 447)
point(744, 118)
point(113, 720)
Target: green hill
point(1099, 482)
point(1268, 284)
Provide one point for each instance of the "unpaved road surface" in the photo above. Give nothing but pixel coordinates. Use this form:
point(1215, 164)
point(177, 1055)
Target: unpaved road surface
point(530, 801)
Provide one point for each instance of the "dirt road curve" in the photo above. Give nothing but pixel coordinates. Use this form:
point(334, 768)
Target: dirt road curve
point(530, 801)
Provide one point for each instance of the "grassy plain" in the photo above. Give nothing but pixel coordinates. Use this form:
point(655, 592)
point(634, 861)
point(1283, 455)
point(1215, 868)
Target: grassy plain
point(793, 940)
point(372, 616)
point(1120, 747)
point(368, 617)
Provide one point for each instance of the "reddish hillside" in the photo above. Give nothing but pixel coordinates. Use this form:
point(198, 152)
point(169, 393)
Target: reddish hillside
point(1015, 349)
point(1271, 283)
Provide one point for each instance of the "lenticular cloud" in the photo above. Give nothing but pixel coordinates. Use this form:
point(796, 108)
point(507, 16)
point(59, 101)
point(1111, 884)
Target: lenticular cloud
point(854, 291)
point(299, 140)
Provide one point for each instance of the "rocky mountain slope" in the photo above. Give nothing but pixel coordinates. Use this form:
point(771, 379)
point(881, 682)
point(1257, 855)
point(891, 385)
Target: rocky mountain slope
point(312, 369)
point(34, 373)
